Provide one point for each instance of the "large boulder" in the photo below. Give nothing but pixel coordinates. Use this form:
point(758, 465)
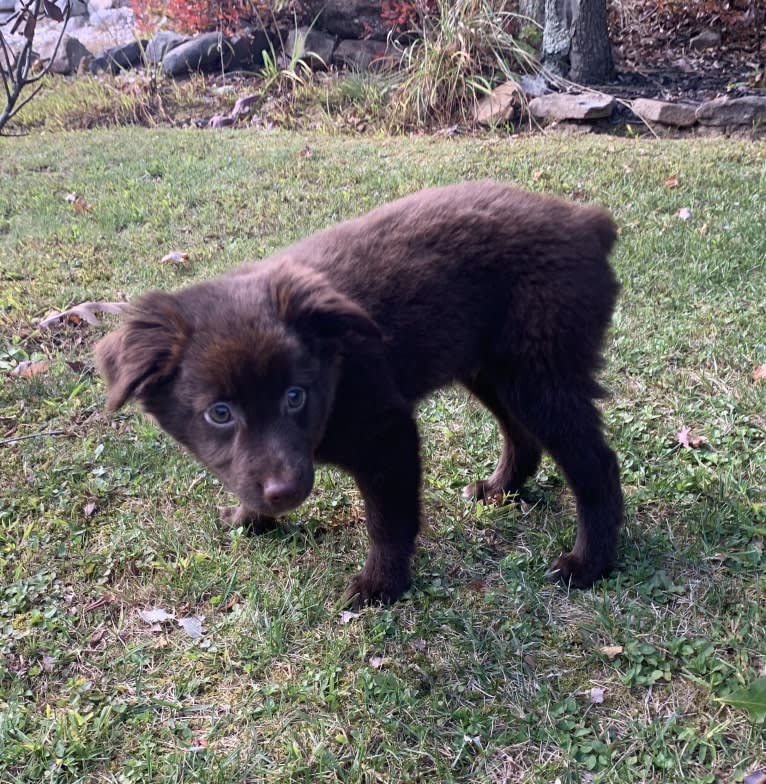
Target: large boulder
point(364, 55)
point(354, 19)
point(206, 52)
point(161, 44)
point(118, 58)
point(69, 55)
point(312, 46)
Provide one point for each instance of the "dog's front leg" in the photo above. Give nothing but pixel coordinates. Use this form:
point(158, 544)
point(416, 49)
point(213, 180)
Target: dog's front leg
point(387, 470)
point(251, 521)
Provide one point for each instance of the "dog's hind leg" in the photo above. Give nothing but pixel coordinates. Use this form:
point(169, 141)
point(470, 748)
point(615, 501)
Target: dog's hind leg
point(521, 452)
point(387, 470)
point(567, 424)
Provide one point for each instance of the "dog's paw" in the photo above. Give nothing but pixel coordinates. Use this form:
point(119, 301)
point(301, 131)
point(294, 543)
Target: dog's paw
point(363, 590)
point(575, 571)
point(235, 516)
point(484, 491)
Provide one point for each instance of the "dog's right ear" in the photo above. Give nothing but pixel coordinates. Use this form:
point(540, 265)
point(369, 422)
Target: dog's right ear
point(145, 350)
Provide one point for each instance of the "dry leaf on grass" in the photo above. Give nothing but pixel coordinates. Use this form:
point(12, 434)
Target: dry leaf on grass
point(192, 626)
point(78, 202)
point(685, 214)
point(175, 257)
point(85, 311)
point(759, 374)
point(685, 437)
point(672, 182)
point(30, 367)
point(596, 695)
point(155, 616)
point(611, 651)
point(347, 616)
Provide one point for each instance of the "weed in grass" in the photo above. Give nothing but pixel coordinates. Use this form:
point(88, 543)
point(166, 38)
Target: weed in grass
point(465, 48)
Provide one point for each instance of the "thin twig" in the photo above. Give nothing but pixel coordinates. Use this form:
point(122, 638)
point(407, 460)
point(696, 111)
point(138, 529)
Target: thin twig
point(13, 440)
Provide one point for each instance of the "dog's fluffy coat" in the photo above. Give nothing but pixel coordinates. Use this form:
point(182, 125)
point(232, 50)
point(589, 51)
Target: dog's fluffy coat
point(321, 352)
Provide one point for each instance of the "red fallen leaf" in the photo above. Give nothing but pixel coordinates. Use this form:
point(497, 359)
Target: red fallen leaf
point(78, 202)
point(672, 182)
point(759, 374)
point(85, 311)
point(685, 438)
point(174, 257)
point(29, 368)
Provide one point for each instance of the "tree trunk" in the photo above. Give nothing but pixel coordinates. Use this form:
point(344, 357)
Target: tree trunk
point(590, 58)
point(534, 9)
point(576, 40)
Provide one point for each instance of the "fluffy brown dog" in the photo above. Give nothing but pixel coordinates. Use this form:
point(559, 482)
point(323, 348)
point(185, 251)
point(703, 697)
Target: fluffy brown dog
point(321, 352)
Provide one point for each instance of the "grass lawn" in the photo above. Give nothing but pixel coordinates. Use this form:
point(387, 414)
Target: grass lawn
point(484, 672)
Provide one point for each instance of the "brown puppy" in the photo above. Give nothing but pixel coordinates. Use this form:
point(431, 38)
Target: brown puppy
point(321, 352)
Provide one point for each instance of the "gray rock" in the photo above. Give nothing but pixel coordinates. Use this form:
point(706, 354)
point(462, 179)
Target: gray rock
point(312, 46)
point(161, 44)
point(206, 52)
point(247, 49)
point(500, 105)
point(566, 106)
point(680, 115)
point(364, 55)
point(354, 19)
point(69, 55)
point(119, 57)
point(533, 86)
point(707, 39)
point(749, 110)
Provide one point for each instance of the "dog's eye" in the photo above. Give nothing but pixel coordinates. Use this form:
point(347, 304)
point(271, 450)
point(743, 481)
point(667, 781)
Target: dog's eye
point(295, 399)
point(219, 414)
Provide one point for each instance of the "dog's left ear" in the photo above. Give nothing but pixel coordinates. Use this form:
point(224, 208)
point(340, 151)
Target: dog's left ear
point(304, 299)
point(145, 351)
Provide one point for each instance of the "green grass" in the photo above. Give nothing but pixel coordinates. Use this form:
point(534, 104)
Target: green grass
point(486, 670)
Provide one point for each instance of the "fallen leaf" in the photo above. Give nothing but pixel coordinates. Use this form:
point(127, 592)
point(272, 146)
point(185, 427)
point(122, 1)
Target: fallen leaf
point(537, 175)
point(672, 182)
point(759, 374)
point(685, 438)
point(306, 152)
point(611, 651)
point(76, 365)
point(78, 202)
point(157, 615)
point(30, 367)
point(85, 311)
point(419, 645)
point(346, 616)
point(97, 636)
point(377, 662)
point(174, 257)
point(49, 662)
point(192, 626)
point(89, 508)
point(685, 214)
point(596, 695)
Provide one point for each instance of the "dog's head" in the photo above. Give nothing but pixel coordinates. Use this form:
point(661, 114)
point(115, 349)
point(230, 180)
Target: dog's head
point(241, 370)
